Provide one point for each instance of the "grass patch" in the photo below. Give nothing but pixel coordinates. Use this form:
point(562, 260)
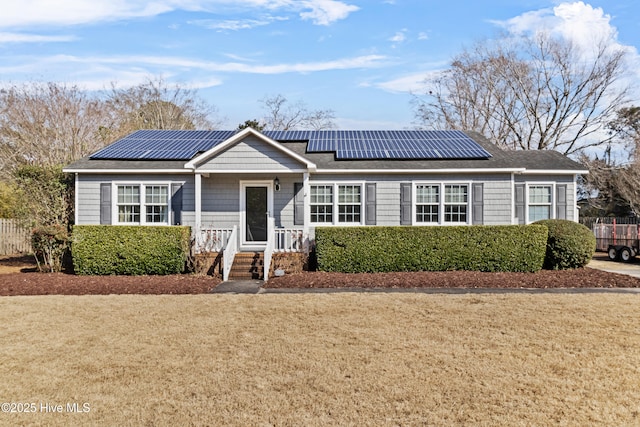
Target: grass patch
point(333, 359)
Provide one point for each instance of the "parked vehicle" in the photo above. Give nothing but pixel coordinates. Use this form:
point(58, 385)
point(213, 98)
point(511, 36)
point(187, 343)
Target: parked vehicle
point(620, 241)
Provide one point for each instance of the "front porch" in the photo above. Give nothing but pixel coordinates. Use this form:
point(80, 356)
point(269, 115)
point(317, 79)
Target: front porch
point(227, 243)
point(249, 195)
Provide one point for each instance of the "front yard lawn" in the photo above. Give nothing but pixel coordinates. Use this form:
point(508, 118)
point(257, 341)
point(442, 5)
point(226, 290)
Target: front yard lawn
point(323, 359)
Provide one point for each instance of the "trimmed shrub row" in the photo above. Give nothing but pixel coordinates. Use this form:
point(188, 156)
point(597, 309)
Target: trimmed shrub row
point(129, 250)
point(570, 245)
point(474, 248)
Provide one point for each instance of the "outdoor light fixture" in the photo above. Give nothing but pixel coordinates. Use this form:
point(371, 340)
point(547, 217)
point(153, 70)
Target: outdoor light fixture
point(276, 182)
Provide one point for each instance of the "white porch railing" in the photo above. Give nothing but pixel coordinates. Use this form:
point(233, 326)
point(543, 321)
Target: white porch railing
point(230, 250)
point(268, 250)
point(290, 240)
point(284, 239)
point(212, 239)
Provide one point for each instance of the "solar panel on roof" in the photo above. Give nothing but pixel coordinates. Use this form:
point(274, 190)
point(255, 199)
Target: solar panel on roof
point(347, 145)
point(162, 145)
point(396, 145)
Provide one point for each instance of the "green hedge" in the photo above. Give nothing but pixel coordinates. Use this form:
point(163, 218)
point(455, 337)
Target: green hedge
point(472, 248)
point(129, 250)
point(570, 245)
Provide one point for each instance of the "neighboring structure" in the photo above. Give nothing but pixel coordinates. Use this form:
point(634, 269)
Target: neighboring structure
point(275, 187)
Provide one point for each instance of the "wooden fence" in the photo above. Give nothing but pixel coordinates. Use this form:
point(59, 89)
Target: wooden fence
point(14, 239)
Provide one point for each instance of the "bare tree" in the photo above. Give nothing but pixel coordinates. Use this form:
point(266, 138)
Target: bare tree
point(535, 93)
point(48, 124)
point(156, 105)
point(623, 179)
point(603, 188)
point(281, 115)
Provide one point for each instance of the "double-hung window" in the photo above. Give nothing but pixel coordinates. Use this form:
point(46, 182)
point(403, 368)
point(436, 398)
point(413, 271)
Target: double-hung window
point(456, 201)
point(540, 202)
point(427, 203)
point(349, 203)
point(343, 199)
point(142, 204)
point(322, 204)
point(129, 204)
point(440, 203)
point(157, 204)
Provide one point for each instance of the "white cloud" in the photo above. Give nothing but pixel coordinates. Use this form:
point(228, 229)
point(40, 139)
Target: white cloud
point(72, 12)
point(231, 24)
point(368, 61)
point(579, 22)
point(584, 25)
point(399, 37)
point(324, 12)
point(423, 36)
point(95, 65)
point(27, 13)
point(409, 83)
point(32, 38)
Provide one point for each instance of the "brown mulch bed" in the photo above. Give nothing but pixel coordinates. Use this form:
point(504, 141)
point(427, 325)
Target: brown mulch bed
point(33, 283)
point(18, 277)
point(579, 278)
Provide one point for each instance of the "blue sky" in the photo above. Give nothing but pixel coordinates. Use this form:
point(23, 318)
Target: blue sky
point(360, 58)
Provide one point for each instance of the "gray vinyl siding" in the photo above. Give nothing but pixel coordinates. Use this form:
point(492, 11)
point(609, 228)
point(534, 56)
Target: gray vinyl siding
point(567, 180)
point(221, 199)
point(88, 209)
point(251, 154)
point(88, 194)
point(283, 201)
point(498, 204)
point(221, 194)
point(388, 203)
point(497, 193)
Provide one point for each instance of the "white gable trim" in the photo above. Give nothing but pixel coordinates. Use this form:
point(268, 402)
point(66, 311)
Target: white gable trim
point(421, 171)
point(193, 164)
point(121, 171)
point(251, 171)
point(554, 172)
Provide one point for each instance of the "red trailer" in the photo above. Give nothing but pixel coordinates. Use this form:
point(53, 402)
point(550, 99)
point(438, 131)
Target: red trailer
point(620, 241)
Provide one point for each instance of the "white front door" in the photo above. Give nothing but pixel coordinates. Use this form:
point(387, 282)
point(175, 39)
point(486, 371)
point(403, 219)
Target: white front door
point(256, 205)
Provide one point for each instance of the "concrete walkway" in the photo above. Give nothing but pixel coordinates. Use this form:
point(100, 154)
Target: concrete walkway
point(239, 287)
point(601, 261)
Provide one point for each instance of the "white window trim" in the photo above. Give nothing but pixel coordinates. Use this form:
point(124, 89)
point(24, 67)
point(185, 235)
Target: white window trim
point(441, 185)
point(415, 203)
point(552, 184)
point(143, 210)
point(335, 213)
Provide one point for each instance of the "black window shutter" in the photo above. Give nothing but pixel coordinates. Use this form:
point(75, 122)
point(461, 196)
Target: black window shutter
point(561, 201)
point(478, 203)
point(176, 203)
point(298, 203)
point(105, 203)
point(405, 203)
point(370, 204)
point(520, 203)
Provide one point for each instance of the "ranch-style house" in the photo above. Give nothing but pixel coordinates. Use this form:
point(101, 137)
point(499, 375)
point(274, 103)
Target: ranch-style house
point(250, 191)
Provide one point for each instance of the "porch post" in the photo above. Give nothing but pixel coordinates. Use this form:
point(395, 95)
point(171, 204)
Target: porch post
point(307, 207)
point(198, 205)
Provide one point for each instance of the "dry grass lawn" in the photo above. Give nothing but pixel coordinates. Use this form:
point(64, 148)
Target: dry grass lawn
point(330, 359)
